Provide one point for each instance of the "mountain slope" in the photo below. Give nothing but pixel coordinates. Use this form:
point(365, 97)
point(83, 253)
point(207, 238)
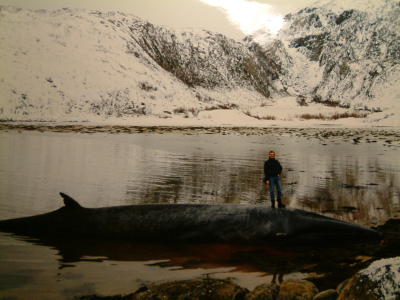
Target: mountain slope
point(79, 65)
point(71, 63)
point(354, 55)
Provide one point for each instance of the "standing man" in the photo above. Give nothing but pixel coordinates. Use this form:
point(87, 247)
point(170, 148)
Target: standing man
point(272, 171)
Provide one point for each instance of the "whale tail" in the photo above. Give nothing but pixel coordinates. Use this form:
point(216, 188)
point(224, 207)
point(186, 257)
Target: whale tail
point(69, 202)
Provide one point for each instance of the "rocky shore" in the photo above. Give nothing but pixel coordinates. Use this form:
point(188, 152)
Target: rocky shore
point(368, 272)
point(362, 285)
point(365, 284)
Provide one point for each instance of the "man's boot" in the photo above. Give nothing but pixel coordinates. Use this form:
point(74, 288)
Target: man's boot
point(273, 203)
point(280, 204)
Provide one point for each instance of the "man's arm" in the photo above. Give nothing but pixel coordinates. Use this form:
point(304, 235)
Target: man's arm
point(279, 168)
point(266, 173)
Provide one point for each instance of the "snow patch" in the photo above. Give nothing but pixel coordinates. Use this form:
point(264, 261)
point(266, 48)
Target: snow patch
point(386, 274)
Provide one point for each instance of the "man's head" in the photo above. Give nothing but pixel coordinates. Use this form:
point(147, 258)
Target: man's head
point(271, 154)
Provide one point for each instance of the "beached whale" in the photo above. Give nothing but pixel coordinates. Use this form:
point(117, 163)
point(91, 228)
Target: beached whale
point(187, 223)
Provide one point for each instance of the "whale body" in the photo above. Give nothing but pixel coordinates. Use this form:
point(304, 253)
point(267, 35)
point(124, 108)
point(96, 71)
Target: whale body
point(187, 223)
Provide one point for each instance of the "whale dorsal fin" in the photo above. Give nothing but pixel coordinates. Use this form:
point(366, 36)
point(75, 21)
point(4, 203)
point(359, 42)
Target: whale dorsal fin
point(69, 202)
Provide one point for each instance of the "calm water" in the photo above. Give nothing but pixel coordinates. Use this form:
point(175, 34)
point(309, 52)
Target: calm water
point(354, 182)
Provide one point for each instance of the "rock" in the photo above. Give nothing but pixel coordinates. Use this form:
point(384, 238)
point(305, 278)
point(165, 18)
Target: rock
point(214, 289)
point(196, 289)
point(288, 290)
point(264, 292)
point(326, 295)
point(297, 290)
point(379, 281)
point(341, 286)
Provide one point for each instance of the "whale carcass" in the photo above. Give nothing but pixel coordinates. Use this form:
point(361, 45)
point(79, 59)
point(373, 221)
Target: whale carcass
point(187, 223)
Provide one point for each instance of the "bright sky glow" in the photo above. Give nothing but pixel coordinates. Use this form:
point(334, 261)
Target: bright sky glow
point(249, 16)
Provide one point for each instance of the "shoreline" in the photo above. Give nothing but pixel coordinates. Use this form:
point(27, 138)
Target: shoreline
point(390, 136)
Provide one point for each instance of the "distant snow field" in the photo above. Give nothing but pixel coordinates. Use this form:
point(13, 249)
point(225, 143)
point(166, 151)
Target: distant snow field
point(99, 67)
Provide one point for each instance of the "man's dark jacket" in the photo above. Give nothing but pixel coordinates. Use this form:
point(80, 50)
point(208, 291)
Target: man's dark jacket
point(272, 168)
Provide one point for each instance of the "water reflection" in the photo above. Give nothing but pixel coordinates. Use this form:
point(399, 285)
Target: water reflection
point(79, 261)
point(356, 182)
point(355, 194)
point(359, 186)
point(187, 256)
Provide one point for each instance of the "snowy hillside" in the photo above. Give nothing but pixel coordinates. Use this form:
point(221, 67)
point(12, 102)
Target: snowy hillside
point(338, 6)
point(345, 54)
point(81, 65)
point(69, 64)
point(354, 55)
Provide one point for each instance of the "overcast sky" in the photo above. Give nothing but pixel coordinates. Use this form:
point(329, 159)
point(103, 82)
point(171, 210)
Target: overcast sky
point(234, 18)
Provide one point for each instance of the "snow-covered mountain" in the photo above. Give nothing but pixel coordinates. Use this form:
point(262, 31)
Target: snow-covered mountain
point(354, 54)
point(71, 63)
point(75, 65)
point(338, 6)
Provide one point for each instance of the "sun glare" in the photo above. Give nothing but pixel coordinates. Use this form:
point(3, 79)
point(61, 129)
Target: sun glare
point(249, 16)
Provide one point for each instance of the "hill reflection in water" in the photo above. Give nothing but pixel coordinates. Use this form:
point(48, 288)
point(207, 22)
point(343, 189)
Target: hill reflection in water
point(356, 182)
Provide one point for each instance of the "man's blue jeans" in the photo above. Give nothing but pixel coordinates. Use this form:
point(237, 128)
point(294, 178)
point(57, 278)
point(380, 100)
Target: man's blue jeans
point(275, 182)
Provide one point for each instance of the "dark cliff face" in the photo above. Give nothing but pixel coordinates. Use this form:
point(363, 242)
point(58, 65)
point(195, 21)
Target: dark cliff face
point(209, 60)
